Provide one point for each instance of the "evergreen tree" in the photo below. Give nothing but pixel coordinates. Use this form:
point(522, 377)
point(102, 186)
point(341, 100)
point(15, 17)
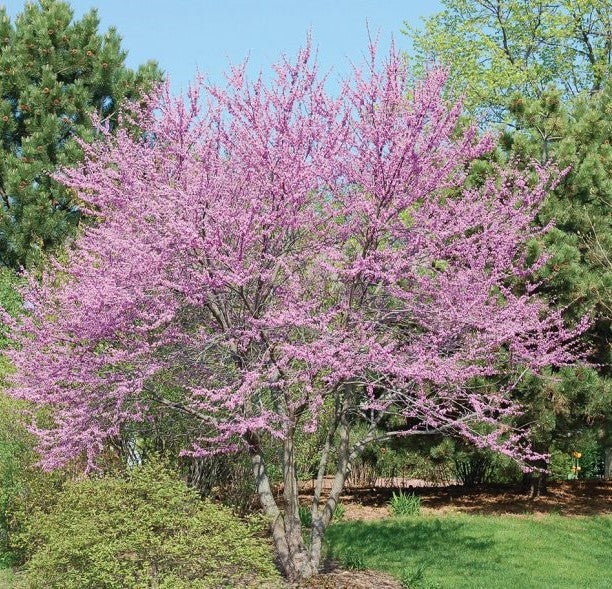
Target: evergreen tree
point(577, 134)
point(543, 68)
point(54, 73)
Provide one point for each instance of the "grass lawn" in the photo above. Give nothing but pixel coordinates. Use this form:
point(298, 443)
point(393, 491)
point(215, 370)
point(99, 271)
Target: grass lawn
point(482, 552)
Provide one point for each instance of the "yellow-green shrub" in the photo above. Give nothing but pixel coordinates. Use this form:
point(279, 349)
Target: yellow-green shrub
point(146, 529)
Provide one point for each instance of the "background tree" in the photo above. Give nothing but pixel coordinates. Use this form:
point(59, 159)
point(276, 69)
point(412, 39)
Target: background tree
point(577, 135)
point(283, 261)
point(54, 72)
point(578, 275)
point(496, 48)
point(543, 69)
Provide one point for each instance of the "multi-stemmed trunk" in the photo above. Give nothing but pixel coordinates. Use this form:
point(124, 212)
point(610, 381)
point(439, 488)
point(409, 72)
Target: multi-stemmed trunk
point(297, 558)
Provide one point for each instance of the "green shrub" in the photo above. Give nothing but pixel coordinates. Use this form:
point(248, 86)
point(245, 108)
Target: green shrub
point(416, 579)
point(23, 486)
point(146, 529)
point(305, 516)
point(590, 464)
point(348, 559)
point(592, 460)
point(473, 467)
point(405, 504)
point(560, 465)
point(339, 512)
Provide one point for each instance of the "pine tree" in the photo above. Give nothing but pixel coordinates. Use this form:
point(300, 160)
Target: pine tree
point(578, 135)
point(543, 68)
point(54, 73)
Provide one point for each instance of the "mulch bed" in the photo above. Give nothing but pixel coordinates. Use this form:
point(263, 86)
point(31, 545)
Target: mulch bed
point(593, 497)
point(340, 579)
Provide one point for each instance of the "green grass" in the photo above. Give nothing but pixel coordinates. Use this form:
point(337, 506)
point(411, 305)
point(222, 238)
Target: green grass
point(482, 552)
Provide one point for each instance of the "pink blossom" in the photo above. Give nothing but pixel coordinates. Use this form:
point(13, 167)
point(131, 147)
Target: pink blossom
point(277, 250)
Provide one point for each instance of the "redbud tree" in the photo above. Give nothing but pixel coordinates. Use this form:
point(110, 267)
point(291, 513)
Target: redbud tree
point(291, 262)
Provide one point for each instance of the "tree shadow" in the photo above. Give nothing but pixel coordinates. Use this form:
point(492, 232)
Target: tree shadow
point(423, 541)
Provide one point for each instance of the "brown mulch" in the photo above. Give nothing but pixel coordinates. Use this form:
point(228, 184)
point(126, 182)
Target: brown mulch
point(593, 497)
point(336, 578)
point(340, 579)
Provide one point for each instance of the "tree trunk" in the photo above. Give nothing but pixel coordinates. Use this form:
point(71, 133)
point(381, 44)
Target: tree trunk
point(297, 560)
point(534, 483)
point(294, 559)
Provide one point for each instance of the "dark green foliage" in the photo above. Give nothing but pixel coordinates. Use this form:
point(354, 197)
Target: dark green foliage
point(474, 468)
point(429, 458)
point(589, 464)
point(305, 516)
point(54, 72)
point(145, 529)
point(577, 136)
point(592, 460)
point(435, 459)
point(543, 69)
point(573, 402)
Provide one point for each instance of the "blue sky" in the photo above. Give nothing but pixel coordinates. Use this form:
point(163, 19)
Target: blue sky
point(183, 35)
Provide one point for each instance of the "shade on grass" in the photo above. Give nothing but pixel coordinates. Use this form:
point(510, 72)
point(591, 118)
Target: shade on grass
point(483, 552)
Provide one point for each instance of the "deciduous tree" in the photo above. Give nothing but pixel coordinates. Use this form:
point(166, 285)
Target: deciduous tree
point(496, 48)
point(286, 261)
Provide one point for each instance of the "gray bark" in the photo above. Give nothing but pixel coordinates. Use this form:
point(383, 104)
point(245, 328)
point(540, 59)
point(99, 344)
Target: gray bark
point(293, 557)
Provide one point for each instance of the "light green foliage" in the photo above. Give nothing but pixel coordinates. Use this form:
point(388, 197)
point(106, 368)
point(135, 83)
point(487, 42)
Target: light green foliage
point(403, 504)
point(54, 72)
point(560, 464)
point(11, 579)
point(347, 558)
point(146, 529)
point(483, 552)
point(495, 48)
point(339, 512)
point(16, 453)
point(15, 458)
point(305, 514)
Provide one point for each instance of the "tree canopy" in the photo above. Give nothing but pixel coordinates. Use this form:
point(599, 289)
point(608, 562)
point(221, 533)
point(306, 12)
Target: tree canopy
point(496, 48)
point(281, 261)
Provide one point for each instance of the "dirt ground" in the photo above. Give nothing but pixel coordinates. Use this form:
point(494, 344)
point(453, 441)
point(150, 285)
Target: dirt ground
point(563, 497)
